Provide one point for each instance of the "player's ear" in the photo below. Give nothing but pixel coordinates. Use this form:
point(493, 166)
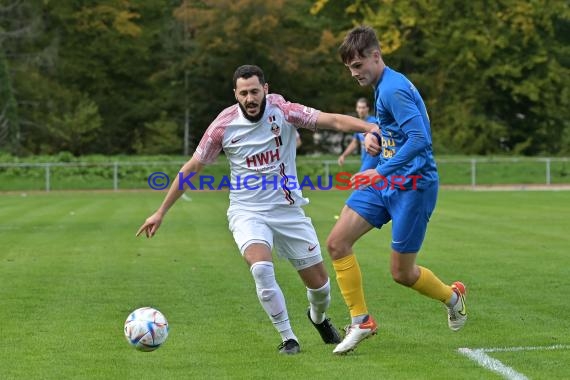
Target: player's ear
point(266, 88)
point(376, 55)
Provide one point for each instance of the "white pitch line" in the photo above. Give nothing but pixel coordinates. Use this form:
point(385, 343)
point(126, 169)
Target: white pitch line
point(531, 348)
point(479, 355)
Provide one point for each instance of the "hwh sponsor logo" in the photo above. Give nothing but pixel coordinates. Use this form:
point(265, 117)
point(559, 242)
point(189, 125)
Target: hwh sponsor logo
point(261, 159)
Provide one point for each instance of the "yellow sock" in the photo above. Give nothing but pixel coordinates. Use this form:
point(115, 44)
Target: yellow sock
point(349, 281)
point(429, 285)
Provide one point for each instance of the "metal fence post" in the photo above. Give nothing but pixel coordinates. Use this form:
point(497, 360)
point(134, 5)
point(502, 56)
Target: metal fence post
point(473, 172)
point(548, 171)
point(115, 176)
point(48, 183)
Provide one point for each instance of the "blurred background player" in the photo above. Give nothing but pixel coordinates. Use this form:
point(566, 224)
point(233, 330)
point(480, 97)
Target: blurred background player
point(367, 161)
point(407, 199)
point(258, 137)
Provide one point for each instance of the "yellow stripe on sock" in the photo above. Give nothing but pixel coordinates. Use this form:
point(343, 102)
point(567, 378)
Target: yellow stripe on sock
point(349, 281)
point(429, 285)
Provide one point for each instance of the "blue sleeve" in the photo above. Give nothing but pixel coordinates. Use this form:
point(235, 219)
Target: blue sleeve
point(417, 141)
point(358, 136)
point(371, 119)
point(402, 105)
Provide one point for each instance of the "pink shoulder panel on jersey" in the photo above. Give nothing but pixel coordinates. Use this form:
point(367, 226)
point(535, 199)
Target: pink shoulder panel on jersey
point(211, 143)
point(297, 114)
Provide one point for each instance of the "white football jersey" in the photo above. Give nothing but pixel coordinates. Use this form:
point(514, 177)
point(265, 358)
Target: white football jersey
point(261, 154)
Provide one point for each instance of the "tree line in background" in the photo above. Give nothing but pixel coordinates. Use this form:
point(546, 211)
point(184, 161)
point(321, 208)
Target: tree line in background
point(146, 76)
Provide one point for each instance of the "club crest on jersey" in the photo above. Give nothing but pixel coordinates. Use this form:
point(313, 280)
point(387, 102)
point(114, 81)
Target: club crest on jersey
point(274, 127)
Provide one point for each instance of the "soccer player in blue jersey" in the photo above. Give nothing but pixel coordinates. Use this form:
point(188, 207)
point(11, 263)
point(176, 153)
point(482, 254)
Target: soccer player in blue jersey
point(367, 161)
point(402, 188)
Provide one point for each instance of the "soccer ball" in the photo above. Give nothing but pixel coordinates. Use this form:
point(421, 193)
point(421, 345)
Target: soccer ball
point(146, 329)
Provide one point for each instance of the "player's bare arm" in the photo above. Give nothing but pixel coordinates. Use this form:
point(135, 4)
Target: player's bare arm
point(349, 149)
point(343, 123)
point(152, 223)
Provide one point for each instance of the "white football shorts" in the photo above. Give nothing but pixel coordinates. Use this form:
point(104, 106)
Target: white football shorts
point(284, 227)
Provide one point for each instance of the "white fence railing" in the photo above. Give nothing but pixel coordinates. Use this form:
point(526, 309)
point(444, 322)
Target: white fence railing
point(471, 172)
point(115, 167)
point(474, 163)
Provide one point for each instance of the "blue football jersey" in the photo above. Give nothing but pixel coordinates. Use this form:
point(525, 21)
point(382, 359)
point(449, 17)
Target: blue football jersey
point(405, 131)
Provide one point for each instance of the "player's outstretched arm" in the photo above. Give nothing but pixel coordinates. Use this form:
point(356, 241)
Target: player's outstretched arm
point(153, 222)
point(349, 149)
point(343, 123)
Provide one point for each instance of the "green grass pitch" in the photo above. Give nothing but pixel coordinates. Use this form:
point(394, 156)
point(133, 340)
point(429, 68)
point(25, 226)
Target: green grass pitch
point(71, 270)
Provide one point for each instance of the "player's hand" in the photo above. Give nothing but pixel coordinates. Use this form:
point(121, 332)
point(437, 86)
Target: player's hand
point(364, 179)
point(340, 160)
point(372, 144)
point(151, 224)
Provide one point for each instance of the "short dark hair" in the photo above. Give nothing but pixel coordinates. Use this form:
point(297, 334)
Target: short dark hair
point(363, 100)
point(359, 41)
point(248, 71)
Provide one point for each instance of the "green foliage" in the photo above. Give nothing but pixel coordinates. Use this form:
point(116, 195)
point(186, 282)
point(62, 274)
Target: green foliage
point(161, 136)
point(75, 128)
point(280, 36)
point(9, 121)
point(495, 75)
point(105, 53)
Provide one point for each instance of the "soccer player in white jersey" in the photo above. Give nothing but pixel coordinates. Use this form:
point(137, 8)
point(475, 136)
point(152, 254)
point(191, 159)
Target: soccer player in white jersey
point(258, 137)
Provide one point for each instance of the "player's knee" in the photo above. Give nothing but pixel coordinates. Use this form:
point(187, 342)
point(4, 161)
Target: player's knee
point(337, 248)
point(266, 295)
point(263, 274)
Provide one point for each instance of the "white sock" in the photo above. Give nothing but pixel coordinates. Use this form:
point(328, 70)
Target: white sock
point(453, 300)
point(358, 319)
point(288, 334)
point(319, 300)
point(271, 298)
